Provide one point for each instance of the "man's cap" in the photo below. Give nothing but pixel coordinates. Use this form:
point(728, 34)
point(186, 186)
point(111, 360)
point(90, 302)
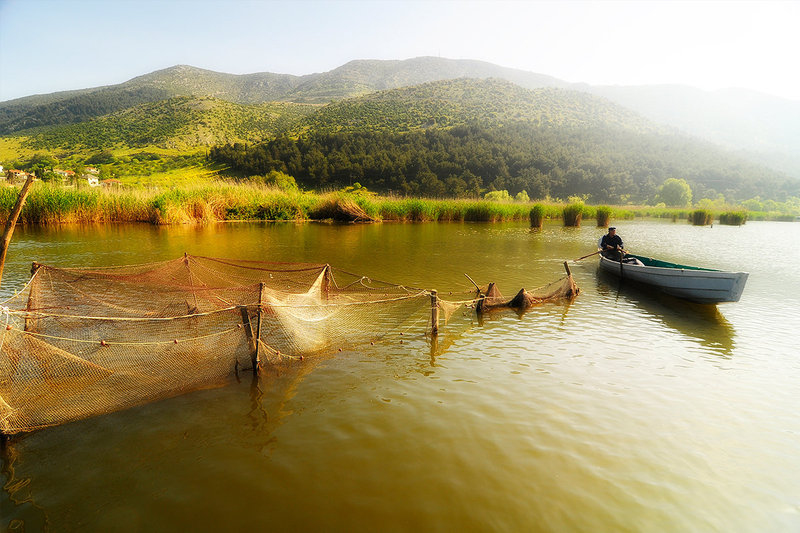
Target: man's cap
point(612, 228)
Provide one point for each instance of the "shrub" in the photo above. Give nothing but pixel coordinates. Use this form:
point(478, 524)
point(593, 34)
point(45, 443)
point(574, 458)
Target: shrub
point(701, 217)
point(573, 214)
point(733, 218)
point(603, 216)
point(537, 216)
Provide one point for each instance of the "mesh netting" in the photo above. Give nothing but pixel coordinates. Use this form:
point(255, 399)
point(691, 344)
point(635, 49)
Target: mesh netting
point(76, 343)
point(81, 342)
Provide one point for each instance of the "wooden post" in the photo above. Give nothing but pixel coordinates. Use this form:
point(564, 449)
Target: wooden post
point(196, 308)
point(566, 267)
point(256, 355)
point(326, 283)
point(12, 221)
point(434, 313)
point(31, 324)
point(248, 327)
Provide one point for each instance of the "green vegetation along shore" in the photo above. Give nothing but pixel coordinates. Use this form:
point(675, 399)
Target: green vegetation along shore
point(221, 201)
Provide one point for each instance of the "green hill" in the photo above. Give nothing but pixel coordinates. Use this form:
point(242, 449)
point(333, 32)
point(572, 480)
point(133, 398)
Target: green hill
point(455, 102)
point(357, 78)
point(760, 127)
point(379, 122)
point(352, 79)
point(177, 123)
point(463, 137)
point(79, 106)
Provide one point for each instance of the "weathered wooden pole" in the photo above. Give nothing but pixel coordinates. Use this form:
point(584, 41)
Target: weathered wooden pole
point(434, 313)
point(326, 283)
point(257, 353)
point(12, 222)
point(566, 267)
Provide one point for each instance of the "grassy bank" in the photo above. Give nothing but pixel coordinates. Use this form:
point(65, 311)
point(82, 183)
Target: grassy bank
point(216, 202)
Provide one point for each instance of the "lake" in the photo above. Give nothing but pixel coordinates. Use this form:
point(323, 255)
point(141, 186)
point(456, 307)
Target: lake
point(620, 411)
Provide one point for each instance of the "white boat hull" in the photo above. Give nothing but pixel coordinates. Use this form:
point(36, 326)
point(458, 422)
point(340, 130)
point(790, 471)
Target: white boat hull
point(697, 285)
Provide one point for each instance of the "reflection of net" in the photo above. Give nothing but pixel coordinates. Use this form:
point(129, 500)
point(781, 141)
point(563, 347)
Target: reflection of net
point(81, 342)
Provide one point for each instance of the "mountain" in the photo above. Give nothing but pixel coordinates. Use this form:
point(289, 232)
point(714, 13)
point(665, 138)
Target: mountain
point(459, 137)
point(366, 76)
point(185, 107)
point(352, 79)
point(487, 102)
point(77, 106)
point(180, 122)
point(759, 127)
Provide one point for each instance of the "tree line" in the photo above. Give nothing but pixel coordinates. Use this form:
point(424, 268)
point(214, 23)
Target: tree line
point(600, 164)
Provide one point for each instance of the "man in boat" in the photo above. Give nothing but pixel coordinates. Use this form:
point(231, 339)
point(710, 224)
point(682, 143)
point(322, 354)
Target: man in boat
point(611, 245)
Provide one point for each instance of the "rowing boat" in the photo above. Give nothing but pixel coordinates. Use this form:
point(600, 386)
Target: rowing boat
point(696, 284)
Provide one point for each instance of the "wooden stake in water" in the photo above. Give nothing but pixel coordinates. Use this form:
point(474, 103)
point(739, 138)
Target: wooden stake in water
point(257, 354)
point(434, 313)
point(12, 222)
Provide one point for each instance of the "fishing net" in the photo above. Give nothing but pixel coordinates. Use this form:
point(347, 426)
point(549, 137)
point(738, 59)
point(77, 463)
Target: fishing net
point(76, 343)
point(81, 342)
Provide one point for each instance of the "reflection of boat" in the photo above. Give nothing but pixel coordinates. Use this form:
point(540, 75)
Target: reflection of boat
point(701, 322)
point(696, 284)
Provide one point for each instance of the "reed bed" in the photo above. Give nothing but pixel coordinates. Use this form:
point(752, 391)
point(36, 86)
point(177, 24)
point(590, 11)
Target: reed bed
point(603, 215)
point(537, 215)
point(448, 210)
point(573, 214)
point(220, 201)
point(733, 218)
point(701, 217)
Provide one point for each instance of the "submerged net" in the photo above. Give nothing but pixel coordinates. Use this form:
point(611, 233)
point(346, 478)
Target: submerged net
point(77, 343)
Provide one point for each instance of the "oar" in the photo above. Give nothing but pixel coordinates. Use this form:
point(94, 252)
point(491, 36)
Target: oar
point(585, 256)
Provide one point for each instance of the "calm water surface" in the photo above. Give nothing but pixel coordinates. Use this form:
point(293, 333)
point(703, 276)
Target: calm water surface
point(622, 411)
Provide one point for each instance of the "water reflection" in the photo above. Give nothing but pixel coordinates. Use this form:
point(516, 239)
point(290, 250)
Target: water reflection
point(245, 413)
point(539, 408)
point(16, 494)
point(704, 323)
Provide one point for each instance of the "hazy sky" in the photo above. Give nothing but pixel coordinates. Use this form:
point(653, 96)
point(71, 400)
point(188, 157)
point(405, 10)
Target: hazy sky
point(53, 45)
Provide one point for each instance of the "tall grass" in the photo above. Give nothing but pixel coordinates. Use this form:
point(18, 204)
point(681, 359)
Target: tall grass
point(537, 216)
point(573, 214)
point(701, 217)
point(222, 201)
point(603, 215)
point(733, 218)
point(448, 210)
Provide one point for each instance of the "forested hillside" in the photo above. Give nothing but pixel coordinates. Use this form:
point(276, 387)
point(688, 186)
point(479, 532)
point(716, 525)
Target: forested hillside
point(759, 127)
point(354, 78)
point(75, 109)
point(180, 122)
point(79, 106)
point(463, 137)
point(470, 101)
